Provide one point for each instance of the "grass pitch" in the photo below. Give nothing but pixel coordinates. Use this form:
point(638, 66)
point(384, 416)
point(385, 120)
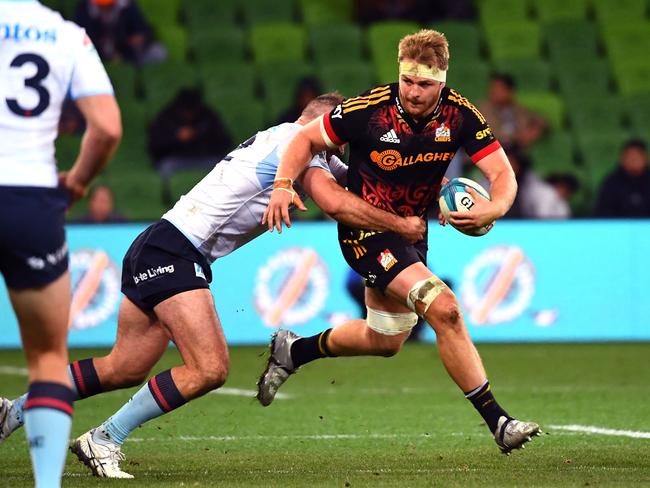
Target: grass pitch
point(383, 422)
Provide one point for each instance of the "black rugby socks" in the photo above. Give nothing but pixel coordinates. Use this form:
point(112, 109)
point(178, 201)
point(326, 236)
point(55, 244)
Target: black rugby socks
point(307, 349)
point(487, 406)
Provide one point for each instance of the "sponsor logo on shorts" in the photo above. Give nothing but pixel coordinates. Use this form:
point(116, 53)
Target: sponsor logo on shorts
point(53, 258)
point(198, 271)
point(153, 273)
point(443, 134)
point(386, 259)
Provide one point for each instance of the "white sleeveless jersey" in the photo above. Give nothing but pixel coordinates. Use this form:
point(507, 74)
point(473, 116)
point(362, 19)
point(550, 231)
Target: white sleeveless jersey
point(224, 210)
point(42, 58)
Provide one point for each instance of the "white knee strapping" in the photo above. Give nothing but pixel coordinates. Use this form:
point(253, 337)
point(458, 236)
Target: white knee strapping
point(425, 291)
point(390, 323)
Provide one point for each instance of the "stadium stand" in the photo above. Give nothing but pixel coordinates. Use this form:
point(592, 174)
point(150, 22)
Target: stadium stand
point(573, 61)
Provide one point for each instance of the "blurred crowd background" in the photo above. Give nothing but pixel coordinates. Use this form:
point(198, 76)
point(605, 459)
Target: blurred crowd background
point(565, 84)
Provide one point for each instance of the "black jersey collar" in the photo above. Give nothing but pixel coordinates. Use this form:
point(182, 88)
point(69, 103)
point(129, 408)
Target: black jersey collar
point(418, 126)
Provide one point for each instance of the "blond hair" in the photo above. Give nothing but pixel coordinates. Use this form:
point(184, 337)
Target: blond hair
point(427, 46)
point(321, 104)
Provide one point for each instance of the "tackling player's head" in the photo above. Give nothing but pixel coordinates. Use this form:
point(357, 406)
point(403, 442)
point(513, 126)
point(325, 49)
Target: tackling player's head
point(423, 62)
point(320, 105)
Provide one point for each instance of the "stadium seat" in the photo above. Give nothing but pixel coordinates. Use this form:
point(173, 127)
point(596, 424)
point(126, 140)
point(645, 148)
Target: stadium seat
point(243, 117)
point(529, 74)
point(123, 79)
point(282, 41)
point(382, 40)
point(333, 43)
point(326, 11)
point(588, 77)
point(227, 80)
point(263, 11)
point(632, 76)
point(162, 81)
point(218, 44)
point(637, 109)
point(279, 81)
point(513, 40)
point(464, 40)
point(470, 79)
point(627, 40)
point(628, 10)
point(553, 153)
point(494, 11)
point(138, 194)
point(202, 14)
point(182, 181)
point(553, 10)
point(547, 104)
point(588, 114)
point(174, 38)
point(66, 150)
point(600, 151)
point(571, 41)
point(160, 14)
point(350, 79)
point(132, 153)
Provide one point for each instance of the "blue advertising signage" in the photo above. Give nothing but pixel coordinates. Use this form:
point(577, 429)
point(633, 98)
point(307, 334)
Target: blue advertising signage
point(524, 281)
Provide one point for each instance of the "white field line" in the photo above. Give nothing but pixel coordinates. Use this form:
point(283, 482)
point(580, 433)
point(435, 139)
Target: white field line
point(13, 371)
point(246, 393)
point(567, 429)
point(590, 429)
point(315, 437)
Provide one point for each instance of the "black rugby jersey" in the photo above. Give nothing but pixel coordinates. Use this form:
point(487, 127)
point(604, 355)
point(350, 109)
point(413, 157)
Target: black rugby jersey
point(397, 164)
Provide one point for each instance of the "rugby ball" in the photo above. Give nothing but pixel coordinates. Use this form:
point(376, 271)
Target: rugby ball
point(454, 198)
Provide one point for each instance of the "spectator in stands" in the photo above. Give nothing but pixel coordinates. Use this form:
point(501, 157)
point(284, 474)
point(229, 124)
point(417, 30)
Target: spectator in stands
point(625, 192)
point(511, 123)
point(119, 30)
point(101, 208)
point(186, 134)
point(564, 184)
point(535, 199)
point(307, 89)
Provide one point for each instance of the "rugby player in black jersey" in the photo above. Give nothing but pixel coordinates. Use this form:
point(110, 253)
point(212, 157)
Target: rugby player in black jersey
point(402, 137)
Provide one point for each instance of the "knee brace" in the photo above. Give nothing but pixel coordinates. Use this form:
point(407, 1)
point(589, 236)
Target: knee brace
point(425, 291)
point(390, 323)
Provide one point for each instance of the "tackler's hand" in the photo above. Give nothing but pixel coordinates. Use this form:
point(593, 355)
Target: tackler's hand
point(413, 229)
point(282, 197)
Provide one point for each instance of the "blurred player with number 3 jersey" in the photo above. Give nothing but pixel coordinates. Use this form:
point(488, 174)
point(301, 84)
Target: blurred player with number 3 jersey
point(166, 275)
point(43, 59)
point(402, 137)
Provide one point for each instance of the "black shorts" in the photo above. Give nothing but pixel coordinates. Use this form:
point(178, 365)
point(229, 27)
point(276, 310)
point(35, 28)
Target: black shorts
point(379, 257)
point(33, 250)
point(162, 263)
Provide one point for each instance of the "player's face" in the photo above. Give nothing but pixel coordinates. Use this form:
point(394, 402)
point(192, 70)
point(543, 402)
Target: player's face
point(419, 95)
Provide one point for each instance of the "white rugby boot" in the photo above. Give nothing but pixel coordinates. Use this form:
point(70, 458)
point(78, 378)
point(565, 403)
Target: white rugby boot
point(513, 434)
point(10, 418)
point(100, 454)
point(278, 367)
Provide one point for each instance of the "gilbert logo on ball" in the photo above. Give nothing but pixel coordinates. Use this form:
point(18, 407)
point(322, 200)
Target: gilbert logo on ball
point(455, 198)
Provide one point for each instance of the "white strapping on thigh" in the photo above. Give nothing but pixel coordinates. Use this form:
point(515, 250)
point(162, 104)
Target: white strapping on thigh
point(390, 323)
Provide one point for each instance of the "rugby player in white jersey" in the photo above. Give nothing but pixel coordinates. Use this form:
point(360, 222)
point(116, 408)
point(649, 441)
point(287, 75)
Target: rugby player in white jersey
point(42, 59)
point(165, 279)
